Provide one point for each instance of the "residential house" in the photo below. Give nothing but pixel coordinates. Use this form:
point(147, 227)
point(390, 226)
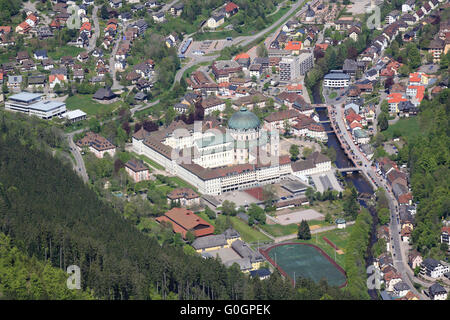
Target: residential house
point(445, 235)
point(437, 292)
point(215, 21)
point(414, 259)
point(231, 9)
point(159, 17)
point(177, 9)
point(433, 268)
point(184, 196)
point(48, 64)
point(96, 144)
point(400, 289)
point(55, 79)
point(137, 170)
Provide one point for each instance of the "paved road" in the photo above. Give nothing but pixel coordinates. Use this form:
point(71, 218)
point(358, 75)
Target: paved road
point(79, 162)
point(399, 255)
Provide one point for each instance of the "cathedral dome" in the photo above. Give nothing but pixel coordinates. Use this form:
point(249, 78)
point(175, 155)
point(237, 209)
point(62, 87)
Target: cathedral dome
point(243, 120)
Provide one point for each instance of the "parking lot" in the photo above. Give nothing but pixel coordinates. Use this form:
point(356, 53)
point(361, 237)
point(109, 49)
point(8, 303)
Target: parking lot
point(240, 198)
point(297, 216)
point(205, 47)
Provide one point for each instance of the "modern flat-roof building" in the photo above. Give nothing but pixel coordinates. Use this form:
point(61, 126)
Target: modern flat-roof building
point(47, 109)
point(336, 79)
point(21, 101)
point(75, 115)
point(306, 61)
point(289, 68)
point(32, 104)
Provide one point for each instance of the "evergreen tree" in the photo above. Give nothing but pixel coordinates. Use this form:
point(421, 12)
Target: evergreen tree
point(304, 233)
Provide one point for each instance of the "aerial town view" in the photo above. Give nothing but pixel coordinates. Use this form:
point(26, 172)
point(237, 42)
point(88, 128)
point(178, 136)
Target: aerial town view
point(263, 150)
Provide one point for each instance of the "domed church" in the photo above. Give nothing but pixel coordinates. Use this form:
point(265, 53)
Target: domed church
point(216, 158)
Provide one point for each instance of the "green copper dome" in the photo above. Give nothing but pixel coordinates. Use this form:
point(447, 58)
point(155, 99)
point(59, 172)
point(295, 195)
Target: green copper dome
point(243, 120)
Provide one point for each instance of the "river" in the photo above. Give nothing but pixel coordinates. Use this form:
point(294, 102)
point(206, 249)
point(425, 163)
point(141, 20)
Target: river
point(358, 180)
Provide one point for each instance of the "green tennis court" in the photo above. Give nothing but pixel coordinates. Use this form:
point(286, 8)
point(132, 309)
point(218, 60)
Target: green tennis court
point(307, 261)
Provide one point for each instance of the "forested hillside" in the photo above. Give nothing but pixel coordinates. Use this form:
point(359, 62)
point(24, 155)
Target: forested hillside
point(9, 8)
point(30, 279)
point(50, 214)
point(429, 160)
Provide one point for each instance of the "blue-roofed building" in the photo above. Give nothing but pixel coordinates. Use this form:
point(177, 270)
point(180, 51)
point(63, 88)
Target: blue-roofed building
point(260, 273)
point(385, 295)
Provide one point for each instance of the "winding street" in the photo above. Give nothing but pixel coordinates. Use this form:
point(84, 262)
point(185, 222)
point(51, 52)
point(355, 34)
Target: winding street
point(79, 162)
point(399, 255)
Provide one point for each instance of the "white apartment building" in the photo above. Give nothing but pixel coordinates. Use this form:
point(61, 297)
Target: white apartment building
point(336, 79)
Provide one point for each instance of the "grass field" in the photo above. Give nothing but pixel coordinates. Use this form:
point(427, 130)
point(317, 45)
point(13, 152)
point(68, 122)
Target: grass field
point(86, 104)
point(333, 95)
point(65, 51)
point(278, 230)
point(246, 30)
point(149, 161)
point(337, 236)
point(248, 234)
point(405, 127)
point(183, 184)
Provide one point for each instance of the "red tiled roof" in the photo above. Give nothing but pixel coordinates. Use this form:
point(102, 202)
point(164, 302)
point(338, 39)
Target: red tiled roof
point(322, 46)
point(396, 98)
point(242, 55)
point(53, 77)
point(32, 17)
point(184, 220)
point(353, 117)
point(405, 198)
point(86, 26)
point(230, 7)
point(293, 45)
point(294, 87)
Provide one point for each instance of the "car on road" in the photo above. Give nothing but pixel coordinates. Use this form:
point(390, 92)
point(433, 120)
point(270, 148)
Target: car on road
point(229, 39)
point(283, 198)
